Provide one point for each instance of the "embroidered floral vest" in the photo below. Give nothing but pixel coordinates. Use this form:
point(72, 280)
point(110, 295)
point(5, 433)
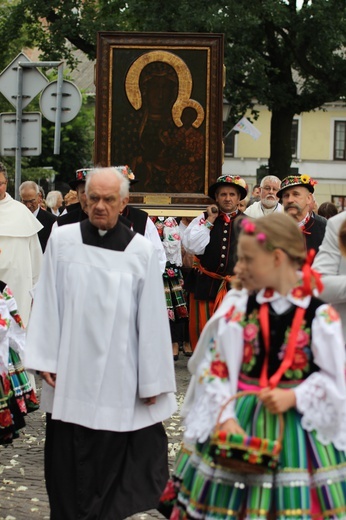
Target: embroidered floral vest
point(253, 357)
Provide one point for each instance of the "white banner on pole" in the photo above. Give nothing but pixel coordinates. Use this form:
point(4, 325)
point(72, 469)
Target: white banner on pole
point(245, 126)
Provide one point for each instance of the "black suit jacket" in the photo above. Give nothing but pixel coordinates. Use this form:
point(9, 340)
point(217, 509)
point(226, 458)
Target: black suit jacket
point(47, 220)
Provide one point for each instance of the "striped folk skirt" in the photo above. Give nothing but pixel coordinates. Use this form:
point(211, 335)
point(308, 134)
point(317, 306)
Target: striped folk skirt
point(200, 312)
point(310, 483)
point(17, 398)
point(174, 293)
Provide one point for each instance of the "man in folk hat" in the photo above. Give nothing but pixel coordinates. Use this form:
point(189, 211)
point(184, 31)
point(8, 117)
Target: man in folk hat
point(296, 194)
point(212, 238)
point(78, 211)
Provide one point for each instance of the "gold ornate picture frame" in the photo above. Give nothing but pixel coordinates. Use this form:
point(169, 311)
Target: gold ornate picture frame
point(159, 110)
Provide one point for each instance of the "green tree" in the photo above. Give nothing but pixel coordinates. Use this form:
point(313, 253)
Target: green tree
point(76, 144)
point(290, 58)
point(76, 136)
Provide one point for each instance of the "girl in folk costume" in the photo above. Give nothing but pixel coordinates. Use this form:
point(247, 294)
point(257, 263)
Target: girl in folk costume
point(17, 398)
point(169, 233)
point(283, 349)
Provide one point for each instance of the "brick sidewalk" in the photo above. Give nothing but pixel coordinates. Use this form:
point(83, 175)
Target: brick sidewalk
point(22, 489)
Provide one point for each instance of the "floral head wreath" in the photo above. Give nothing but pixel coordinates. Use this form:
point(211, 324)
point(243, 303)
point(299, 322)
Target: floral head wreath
point(82, 173)
point(80, 177)
point(234, 180)
point(249, 228)
point(127, 172)
point(297, 180)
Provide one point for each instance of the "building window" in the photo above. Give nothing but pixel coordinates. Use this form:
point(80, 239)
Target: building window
point(294, 138)
point(340, 141)
point(229, 145)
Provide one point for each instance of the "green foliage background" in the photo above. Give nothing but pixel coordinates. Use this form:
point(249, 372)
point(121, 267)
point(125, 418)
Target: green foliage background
point(285, 54)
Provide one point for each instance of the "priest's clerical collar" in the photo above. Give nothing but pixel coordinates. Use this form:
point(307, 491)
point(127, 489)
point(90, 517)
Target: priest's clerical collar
point(101, 232)
point(116, 238)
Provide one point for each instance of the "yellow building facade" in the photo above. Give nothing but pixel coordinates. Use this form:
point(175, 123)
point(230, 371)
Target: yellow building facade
point(318, 147)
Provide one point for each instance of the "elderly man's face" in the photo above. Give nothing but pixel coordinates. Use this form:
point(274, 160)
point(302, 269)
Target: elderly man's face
point(3, 186)
point(104, 200)
point(268, 194)
point(296, 202)
point(30, 198)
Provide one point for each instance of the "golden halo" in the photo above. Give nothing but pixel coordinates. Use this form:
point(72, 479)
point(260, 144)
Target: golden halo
point(185, 84)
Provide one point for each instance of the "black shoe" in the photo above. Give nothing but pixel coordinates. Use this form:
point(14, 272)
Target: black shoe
point(187, 349)
point(175, 347)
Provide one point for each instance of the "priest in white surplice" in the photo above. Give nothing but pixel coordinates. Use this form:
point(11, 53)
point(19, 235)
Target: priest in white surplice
point(20, 250)
point(99, 334)
point(269, 202)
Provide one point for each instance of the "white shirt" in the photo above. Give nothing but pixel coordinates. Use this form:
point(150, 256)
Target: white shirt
point(257, 210)
point(151, 234)
point(196, 236)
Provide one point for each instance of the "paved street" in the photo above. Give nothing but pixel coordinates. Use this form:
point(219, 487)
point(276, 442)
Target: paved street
point(22, 489)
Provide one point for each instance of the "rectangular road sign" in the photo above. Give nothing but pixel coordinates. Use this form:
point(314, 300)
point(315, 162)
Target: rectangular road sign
point(31, 134)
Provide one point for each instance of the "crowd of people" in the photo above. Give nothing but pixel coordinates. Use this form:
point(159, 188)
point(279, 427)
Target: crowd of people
point(98, 299)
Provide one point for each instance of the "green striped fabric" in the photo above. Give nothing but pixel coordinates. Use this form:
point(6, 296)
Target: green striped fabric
point(310, 482)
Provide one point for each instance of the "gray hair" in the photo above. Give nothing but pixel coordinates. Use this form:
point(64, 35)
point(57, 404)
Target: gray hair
point(124, 181)
point(3, 170)
point(31, 185)
point(52, 198)
point(41, 190)
point(270, 178)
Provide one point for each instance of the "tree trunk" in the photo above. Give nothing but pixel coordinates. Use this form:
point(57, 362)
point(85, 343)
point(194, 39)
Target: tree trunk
point(280, 143)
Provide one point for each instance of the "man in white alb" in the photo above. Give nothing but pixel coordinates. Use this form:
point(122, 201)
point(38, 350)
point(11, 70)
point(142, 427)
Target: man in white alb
point(93, 334)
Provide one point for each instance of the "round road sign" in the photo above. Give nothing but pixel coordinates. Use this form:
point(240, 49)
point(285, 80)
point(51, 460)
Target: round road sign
point(70, 105)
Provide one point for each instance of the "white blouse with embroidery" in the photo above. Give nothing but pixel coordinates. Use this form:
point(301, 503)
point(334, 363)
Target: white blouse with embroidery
point(12, 332)
point(172, 241)
point(216, 363)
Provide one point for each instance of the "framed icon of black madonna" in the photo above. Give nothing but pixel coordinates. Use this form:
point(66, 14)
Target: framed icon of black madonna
point(159, 111)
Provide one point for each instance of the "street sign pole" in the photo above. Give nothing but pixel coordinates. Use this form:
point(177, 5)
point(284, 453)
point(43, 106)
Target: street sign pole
point(28, 86)
point(19, 109)
point(58, 111)
point(18, 165)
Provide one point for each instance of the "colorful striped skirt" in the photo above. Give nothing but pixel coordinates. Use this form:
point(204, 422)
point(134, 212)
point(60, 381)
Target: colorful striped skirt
point(175, 296)
point(200, 312)
point(17, 398)
point(309, 484)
